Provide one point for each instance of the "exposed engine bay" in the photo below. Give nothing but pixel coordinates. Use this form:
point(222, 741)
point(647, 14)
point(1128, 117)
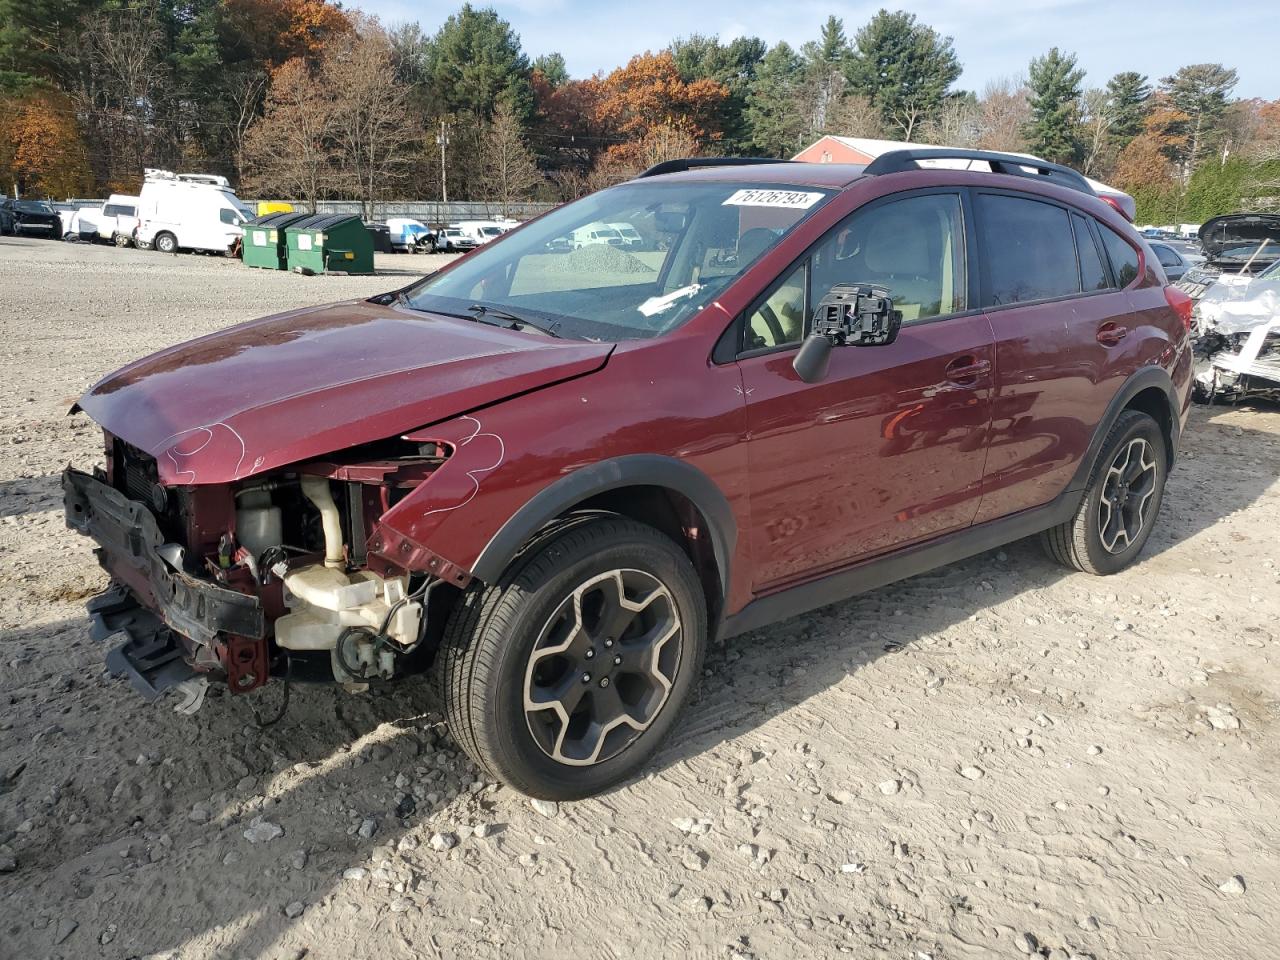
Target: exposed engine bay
point(278, 575)
point(1236, 330)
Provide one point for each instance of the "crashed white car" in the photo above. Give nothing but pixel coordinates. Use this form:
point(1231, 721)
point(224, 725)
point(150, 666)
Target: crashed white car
point(1237, 337)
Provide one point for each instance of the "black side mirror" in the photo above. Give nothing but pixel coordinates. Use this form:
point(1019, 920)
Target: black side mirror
point(851, 314)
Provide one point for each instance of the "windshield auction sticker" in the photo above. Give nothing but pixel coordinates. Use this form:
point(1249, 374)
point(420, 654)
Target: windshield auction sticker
point(790, 199)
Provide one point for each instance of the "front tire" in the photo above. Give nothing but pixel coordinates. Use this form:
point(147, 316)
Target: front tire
point(1121, 502)
point(565, 675)
point(166, 243)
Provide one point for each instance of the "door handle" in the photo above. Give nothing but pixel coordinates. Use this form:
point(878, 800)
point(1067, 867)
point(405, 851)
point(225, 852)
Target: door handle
point(966, 370)
point(1109, 334)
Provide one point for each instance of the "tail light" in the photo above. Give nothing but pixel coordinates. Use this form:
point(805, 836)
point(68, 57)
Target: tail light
point(1124, 206)
point(1182, 305)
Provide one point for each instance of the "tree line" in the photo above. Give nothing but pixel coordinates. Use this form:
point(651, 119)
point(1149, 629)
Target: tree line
point(306, 99)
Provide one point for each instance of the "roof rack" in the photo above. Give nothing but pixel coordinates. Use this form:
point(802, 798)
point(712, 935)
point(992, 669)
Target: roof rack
point(896, 161)
point(690, 163)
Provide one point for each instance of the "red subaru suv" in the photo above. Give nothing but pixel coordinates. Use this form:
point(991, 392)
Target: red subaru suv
point(710, 398)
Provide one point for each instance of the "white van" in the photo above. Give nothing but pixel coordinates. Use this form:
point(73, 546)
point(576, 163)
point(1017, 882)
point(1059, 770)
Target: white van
point(189, 211)
point(482, 231)
point(596, 233)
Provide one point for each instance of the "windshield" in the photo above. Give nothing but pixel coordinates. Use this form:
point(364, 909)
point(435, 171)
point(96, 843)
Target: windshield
point(33, 206)
point(695, 238)
point(491, 231)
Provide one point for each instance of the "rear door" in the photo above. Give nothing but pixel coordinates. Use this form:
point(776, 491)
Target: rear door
point(1060, 322)
point(888, 448)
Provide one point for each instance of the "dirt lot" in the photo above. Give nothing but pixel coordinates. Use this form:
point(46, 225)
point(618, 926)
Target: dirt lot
point(992, 760)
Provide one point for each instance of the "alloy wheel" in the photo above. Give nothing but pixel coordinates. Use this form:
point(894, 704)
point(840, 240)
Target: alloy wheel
point(602, 667)
point(1127, 489)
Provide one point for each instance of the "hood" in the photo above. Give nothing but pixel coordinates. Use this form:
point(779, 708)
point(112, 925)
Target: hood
point(1236, 237)
point(300, 385)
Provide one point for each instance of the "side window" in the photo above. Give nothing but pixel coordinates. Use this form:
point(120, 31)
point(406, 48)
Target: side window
point(913, 246)
point(1028, 250)
point(228, 216)
point(1093, 275)
point(779, 318)
point(1124, 259)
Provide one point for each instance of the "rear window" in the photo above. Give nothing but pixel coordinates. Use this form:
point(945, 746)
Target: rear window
point(1028, 249)
point(1124, 259)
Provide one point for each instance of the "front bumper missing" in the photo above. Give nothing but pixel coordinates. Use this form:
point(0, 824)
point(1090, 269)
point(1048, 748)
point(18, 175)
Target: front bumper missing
point(130, 549)
point(153, 657)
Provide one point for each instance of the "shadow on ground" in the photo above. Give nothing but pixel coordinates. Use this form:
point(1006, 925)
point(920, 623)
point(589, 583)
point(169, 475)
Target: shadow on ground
point(333, 753)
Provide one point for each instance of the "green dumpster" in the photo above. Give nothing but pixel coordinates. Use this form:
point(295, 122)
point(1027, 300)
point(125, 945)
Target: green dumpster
point(263, 244)
point(329, 243)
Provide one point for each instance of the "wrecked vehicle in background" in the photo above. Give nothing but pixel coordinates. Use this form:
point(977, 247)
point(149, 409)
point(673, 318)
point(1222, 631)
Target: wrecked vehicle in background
point(1237, 338)
point(1236, 247)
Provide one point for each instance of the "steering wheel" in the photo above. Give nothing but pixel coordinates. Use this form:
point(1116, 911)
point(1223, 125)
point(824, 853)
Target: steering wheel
point(771, 321)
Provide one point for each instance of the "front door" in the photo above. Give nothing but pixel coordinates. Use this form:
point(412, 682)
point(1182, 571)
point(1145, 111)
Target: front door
point(888, 449)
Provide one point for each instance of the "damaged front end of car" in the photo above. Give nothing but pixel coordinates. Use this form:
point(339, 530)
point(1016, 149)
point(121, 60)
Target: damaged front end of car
point(1237, 341)
point(286, 572)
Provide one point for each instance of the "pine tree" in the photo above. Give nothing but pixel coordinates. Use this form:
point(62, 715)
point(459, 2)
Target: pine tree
point(905, 68)
point(1053, 133)
point(1130, 96)
point(776, 126)
point(1200, 91)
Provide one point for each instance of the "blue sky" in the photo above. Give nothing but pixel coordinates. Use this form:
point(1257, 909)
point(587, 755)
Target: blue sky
point(993, 38)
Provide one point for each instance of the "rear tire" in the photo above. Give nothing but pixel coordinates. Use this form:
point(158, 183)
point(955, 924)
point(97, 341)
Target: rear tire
point(1121, 502)
point(564, 676)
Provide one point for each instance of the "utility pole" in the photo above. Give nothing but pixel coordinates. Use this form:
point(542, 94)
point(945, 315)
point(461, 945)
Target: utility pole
point(443, 139)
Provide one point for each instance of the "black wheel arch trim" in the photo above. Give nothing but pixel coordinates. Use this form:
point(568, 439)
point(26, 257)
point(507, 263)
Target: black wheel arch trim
point(649, 470)
point(1142, 379)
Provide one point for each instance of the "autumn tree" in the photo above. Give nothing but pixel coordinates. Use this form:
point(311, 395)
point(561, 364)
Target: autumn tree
point(374, 136)
point(1004, 113)
point(1053, 130)
point(904, 67)
point(290, 151)
point(957, 123)
point(508, 170)
point(649, 93)
point(733, 66)
point(41, 151)
point(1097, 120)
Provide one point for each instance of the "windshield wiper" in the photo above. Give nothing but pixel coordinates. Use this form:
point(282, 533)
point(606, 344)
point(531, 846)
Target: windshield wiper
point(513, 322)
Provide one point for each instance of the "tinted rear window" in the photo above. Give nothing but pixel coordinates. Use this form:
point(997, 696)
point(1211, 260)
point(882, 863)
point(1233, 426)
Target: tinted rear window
point(1093, 275)
point(1124, 259)
point(1028, 250)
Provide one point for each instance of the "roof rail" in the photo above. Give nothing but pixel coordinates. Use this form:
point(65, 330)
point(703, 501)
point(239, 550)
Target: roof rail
point(690, 163)
point(896, 161)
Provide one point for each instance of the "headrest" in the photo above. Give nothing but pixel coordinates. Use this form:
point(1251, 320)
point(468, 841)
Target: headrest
point(897, 244)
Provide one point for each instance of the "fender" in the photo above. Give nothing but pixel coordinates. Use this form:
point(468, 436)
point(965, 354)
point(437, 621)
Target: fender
point(1141, 379)
point(649, 470)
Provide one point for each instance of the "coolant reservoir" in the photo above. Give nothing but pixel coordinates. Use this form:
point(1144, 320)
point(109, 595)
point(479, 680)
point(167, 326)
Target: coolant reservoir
point(258, 523)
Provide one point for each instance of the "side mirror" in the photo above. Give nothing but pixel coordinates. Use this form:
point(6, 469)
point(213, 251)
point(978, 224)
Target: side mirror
point(851, 314)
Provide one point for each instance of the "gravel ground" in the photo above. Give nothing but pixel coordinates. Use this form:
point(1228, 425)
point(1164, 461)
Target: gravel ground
point(997, 759)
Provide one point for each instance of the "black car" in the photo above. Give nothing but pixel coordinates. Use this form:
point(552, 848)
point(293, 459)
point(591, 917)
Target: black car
point(33, 217)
